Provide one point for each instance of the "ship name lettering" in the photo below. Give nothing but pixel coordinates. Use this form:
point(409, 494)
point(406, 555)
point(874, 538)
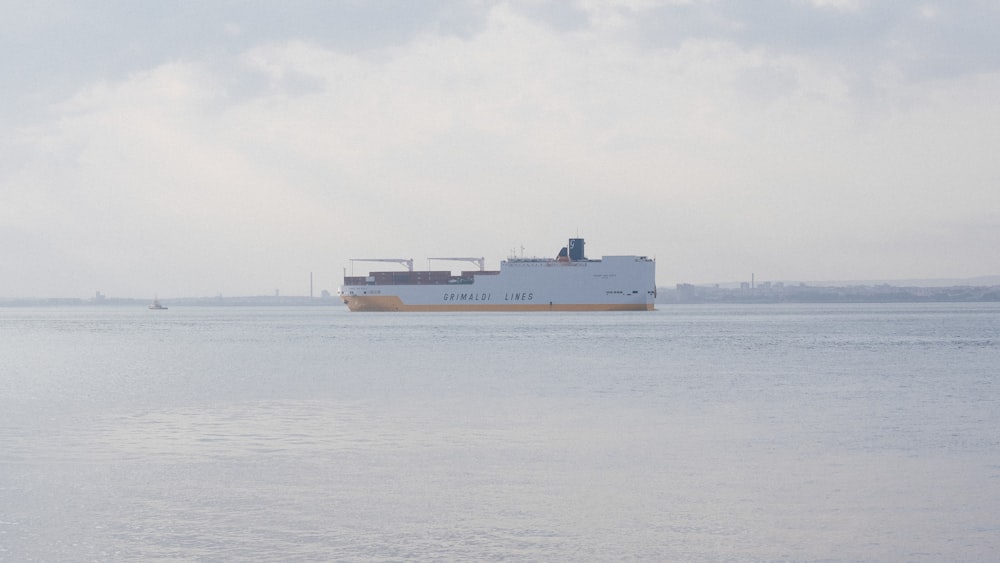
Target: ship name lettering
point(484, 296)
point(519, 296)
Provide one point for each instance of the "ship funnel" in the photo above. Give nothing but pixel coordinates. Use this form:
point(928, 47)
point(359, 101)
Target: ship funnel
point(576, 249)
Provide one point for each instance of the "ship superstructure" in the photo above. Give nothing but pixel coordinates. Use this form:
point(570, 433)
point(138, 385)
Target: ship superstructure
point(568, 282)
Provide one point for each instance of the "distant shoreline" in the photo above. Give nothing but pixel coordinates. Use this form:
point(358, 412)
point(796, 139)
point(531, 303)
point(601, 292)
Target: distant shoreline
point(802, 293)
point(284, 301)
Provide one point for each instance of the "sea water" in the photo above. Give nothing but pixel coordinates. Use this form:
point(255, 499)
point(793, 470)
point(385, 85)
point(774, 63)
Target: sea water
point(695, 433)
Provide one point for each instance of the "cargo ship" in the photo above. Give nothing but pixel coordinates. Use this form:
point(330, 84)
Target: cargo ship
point(568, 282)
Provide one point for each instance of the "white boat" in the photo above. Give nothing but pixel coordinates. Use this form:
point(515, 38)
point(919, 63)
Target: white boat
point(568, 282)
point(155, 305)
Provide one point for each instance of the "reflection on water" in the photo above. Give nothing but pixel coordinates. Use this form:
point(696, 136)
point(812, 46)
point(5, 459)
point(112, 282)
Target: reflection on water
point(699, 433)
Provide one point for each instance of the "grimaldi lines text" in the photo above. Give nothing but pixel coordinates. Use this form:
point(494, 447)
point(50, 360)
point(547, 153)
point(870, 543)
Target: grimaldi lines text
point(568, 282)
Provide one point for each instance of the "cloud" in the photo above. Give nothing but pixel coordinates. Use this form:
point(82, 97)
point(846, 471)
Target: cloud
point(720, 148)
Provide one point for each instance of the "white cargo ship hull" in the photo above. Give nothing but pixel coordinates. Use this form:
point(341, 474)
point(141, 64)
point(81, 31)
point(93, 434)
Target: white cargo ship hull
point(613, 283)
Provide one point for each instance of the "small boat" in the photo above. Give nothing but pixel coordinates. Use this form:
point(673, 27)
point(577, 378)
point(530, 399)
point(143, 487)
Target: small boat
point(155, 305)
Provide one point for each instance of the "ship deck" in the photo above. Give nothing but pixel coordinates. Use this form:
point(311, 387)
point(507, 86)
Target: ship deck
point(430, 277)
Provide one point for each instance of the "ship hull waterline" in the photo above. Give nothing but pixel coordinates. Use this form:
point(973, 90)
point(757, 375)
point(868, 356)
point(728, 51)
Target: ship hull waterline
point(391, 303)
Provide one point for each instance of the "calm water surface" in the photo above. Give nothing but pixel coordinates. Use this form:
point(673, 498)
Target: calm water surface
point(698, 433)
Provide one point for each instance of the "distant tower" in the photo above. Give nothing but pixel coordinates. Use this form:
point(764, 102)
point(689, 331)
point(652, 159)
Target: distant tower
point(310, 285)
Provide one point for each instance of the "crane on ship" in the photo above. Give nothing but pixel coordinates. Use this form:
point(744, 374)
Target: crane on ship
point(481, 262)
point(408, 262)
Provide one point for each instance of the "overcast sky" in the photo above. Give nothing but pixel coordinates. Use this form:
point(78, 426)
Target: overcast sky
point(195, 148)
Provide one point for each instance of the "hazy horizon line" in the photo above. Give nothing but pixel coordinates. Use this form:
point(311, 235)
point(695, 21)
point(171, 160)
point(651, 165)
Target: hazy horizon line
point(974, 281)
